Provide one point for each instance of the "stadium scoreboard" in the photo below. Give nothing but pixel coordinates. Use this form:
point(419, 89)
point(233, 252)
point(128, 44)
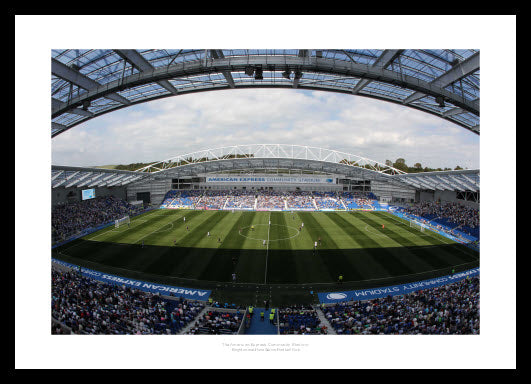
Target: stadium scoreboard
point(87, 194)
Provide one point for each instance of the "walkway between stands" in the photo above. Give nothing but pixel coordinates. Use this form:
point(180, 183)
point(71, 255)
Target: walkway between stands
point(262, 327)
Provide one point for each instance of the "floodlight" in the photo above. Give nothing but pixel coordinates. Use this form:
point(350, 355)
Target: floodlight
point(440, 100)
point(249, 71)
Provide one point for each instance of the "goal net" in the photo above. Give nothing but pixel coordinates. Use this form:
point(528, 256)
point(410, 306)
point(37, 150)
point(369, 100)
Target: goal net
point(122, 221)
point(417, 225)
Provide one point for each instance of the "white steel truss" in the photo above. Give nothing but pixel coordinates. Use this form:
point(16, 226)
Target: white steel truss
point(271, 151)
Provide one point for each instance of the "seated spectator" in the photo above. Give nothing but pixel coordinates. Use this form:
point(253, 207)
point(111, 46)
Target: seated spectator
point(449, 309)
point(88, 306)
point(217, 322)
point(72, 218)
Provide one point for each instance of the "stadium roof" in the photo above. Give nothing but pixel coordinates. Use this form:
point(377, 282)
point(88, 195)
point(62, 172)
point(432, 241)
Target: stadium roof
point(458, 180)
point(87, 83)
point(80, 177)
point(266, 156)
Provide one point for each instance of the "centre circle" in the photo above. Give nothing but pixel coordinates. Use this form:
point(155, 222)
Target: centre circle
point(249, 234)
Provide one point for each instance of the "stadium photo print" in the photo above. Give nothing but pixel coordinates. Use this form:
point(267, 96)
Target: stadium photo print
point(240, 212)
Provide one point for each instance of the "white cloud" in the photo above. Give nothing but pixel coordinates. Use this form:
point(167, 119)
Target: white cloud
point(176, 125)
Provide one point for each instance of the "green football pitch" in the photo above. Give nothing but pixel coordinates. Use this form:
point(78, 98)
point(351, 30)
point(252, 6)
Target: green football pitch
point(268, 251)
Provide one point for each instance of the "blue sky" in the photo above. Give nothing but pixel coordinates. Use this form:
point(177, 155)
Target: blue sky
point(176, 125)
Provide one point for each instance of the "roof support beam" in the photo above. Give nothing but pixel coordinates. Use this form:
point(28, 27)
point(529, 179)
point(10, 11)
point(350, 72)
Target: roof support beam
point(474, 183)
point(57, 175)
point(448, 184)
point(58, 127)
point(56, 104)
point(138, 61)
point(64, 72)
point(464, 184)
point(218, 54)
point(116, 179)
point(183, 70)
point(103, 181)
point(453, 112)
point(89, 182)
point(383, 61)
point(77, 180)
point(463, 69)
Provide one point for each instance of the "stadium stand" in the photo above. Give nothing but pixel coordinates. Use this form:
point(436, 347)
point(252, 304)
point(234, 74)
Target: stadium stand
point(216, 322)
point(212, 200)
point(300, 320)
point(240, 199)
point(72, 218)
point(270, 200)
point(450, 309)
point(327, 200)
point(450, 216)
point(181, 199)
point(299, 200)
point(86, 306)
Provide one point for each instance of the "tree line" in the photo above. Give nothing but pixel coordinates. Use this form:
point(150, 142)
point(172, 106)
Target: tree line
point(400, 164)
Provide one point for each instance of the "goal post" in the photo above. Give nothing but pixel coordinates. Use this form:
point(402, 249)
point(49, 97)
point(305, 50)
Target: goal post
point(124, 220)
point(417, 225)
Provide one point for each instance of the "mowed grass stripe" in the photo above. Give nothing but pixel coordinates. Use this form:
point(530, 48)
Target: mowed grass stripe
point(168, 231)
point(455, 253)
point(434, 253)
point(439, 253)
point(409, 255)
point(333, 259)
point(281, 263)
point(156, 247)
point(177, 260)
point(377, 248)
point(342, 241)
point(111, 235)
point(250, 263)
point(217, 265)
point(376, 263)
point(361, 260)
point(114, 250)
point(143, 230)
point(288, 264)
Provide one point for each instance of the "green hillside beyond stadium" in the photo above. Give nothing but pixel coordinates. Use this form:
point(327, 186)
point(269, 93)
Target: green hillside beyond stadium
point(275, 249)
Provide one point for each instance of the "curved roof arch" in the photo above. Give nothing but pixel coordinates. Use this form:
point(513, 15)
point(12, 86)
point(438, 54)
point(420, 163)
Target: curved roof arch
point(265, 156)
point(250, 156)
point(89, 83)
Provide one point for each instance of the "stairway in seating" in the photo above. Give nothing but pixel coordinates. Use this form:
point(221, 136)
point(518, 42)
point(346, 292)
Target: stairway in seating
point(262, 327)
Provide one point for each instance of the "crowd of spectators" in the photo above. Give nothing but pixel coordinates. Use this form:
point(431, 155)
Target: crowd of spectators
point(267, 199)
point(356, 200)
point(184, 198)
point(327, 200)
point(449, 309)
point(71, 218)
point(299, 200)
point(449, 214)
point(212, 199)
point(270, 200)
point(87, 306)
point(216, 322)
point(241, 199)
point(300, 320)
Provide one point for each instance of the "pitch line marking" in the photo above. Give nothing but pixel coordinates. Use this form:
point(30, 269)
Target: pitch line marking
point(278, 225)
point(158, 229)
point(426, 234)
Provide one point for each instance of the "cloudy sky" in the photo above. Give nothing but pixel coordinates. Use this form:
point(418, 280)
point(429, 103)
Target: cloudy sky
point(177, 125)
